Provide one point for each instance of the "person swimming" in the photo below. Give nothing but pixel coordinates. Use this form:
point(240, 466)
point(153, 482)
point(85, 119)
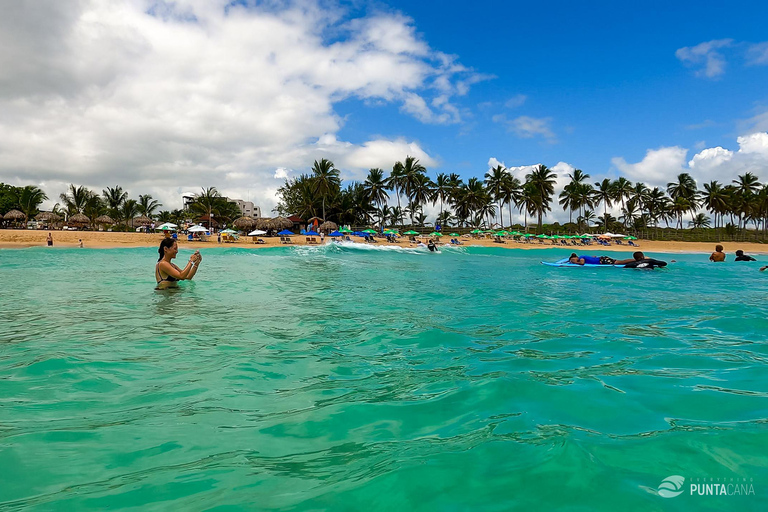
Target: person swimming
point(718, 255)
point(166, 273)
point(740, 256)
point(431, 245)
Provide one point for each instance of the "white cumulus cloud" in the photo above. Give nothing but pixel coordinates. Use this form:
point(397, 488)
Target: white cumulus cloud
point(166, 97)
point(705, 54)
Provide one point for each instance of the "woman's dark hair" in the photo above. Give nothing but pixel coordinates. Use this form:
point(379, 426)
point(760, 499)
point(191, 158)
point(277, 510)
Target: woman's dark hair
point(166, 243)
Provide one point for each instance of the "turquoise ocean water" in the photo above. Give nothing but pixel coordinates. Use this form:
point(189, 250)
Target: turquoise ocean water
point(333, 378)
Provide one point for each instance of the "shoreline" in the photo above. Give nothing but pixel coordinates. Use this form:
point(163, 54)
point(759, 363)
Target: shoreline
point(20, 239)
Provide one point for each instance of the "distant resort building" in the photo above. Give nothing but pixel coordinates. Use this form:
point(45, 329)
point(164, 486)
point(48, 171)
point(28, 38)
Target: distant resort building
point(247, 208)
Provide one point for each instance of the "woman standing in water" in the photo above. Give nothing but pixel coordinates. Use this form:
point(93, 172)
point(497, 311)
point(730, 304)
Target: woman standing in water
point(166, 273)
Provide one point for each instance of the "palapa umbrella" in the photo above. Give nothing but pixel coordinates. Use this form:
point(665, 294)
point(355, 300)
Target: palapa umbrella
point(262, 223)
point(47, 217)
point(280, 223)
point(328, 226)
point(104, 219)
point(142, 220)
point(80, 219)
point(244, 223)
point(14, 215)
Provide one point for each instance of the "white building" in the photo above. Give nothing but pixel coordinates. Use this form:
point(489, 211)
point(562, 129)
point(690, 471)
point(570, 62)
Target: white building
point(247, 208)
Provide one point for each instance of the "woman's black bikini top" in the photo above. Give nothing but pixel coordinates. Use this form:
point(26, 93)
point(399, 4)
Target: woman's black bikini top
point(170, 279)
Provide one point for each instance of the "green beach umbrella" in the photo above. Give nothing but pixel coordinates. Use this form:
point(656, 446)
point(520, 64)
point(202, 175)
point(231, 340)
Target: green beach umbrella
point(435, 233)
point(542, 236)
point(630, 238)
point(369, 231)
point(502, 233)
point(454, 234)
point(345, 230)
point(476, 231)
point(411, 232)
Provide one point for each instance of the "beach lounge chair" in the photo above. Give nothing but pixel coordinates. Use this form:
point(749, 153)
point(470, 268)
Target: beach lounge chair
point(190, 238)
point(633, 244)
point(313, 240)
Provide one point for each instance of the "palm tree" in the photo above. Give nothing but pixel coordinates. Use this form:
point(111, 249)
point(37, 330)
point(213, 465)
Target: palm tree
point(326, 178)
point(586, 218)
point(413, 174)
point(684, 188)
point(746, 186)
point(543, 182)
point(206, 202)
point(494, 183)
point(715, 199)
point(114, 198)
point(396, 180)
point(421, 190)
point(622, 189)
point(29, 199)
point(128, 210)
point(442, 191)
point(511, 191)
point(604, 194)
point(76, 199)
point(570, 196)
point(147, 205)
point(699, 221)
point(375, 187)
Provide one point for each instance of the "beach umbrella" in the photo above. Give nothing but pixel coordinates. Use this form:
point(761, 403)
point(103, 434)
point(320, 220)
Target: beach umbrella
point(285, 232)
point(369, 231)
point(502, 233)
point(47, 217)
point(279, 223)
point(257, 232)
point(336, 233)
point(630, 238)
point(312, 233)
point(454, 234)
point(244, 223)
point(166, 224)
point(435, 233)
point(476, 231)
point(142, 220)
point(165, 228)
point(411, 232)
point(488, 231)
point(229, 231)
point(197, 229)
point(79, 218)
point(345, 230)
point(328, 226)
point(14, 215)
point(104, 219)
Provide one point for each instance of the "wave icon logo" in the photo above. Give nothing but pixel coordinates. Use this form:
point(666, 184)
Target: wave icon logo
point(671, 486)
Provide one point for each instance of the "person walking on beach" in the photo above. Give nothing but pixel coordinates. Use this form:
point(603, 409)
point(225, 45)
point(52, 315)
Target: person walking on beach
point(80, 243)
point(50, 240)
point(718, 255)
point(166, 273)
point(740, 256)
point(219, 237)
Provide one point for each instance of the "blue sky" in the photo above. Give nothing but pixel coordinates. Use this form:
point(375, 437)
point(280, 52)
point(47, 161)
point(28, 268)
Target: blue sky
point(606, 76)
point(166, 97)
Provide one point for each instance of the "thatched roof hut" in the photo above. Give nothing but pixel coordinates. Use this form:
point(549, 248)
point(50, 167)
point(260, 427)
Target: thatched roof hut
point(262, 223)
point(14, 215)
point(104, 219)
point(79, 219)
point(279, 223)
point(142, 220)
point(47, 217)
point(245, 223)
point(328, 227)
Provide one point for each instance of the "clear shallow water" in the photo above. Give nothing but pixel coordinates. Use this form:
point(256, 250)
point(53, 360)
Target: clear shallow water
point(346, 379)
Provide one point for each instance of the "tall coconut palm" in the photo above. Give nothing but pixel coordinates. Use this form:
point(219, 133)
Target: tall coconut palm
point(511, 191)
point(543, 181)
point(128, 210)
point(442, 192)
point(421, 190)
point(206, 202)
point(570, 196)
point(147, 205)
point(746, 186)
point(76, 199)
point(684, 188)
point(114, 197)
point(604, 194)
point(494, 183)
point(715, 199)
point(622, 189)
point(375, 187)
point(326, 178)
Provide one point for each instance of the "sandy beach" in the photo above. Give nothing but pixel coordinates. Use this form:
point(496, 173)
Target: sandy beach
point(17, 238)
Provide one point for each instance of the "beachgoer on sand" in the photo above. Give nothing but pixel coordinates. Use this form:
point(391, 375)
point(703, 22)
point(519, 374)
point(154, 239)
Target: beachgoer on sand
point(718, 255)
point(166, 273)
point(80, 243)
point(50, 240)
